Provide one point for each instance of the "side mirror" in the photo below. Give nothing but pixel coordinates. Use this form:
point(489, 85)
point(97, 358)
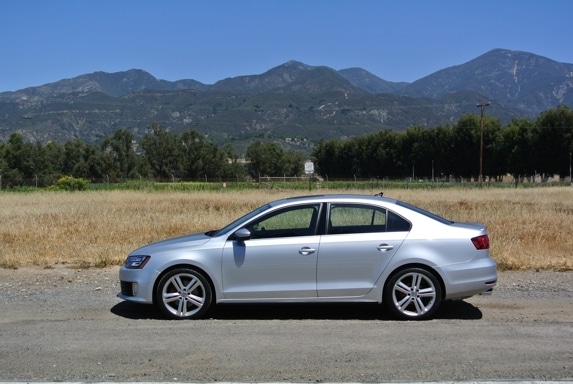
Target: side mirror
point(242, 234)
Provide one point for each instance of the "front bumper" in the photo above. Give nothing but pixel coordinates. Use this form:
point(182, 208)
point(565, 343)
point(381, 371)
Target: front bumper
point(136, 285)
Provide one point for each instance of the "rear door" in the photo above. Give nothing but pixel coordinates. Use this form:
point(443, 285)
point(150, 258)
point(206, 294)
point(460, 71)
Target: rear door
point(359, 244)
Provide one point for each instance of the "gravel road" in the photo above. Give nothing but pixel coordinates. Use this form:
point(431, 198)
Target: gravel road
point(66, 324)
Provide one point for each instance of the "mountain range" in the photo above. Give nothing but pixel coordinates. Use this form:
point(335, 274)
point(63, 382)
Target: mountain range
point(293, 102)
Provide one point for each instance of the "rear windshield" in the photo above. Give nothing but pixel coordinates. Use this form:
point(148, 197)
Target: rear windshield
point(424, 212)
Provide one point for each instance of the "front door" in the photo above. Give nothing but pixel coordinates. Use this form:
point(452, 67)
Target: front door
point(278, 261)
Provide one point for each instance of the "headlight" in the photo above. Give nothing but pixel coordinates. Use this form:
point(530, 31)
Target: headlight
point(136, 262)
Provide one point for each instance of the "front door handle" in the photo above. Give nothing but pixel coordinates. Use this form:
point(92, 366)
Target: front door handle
point(306, 251)
point(385, 247)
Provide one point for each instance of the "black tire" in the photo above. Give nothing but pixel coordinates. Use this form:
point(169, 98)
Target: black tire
point(412, 294)
point(184, 294)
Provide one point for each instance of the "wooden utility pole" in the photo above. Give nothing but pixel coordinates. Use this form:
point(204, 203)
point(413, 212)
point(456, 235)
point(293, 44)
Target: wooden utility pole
point(482, 106)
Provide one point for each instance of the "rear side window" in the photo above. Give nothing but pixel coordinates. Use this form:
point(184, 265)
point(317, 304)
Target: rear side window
point(397, 223)
point(349, 218)
point(356, 218)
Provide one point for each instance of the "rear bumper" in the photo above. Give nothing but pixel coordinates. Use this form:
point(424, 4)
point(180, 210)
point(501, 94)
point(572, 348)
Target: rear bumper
point(489, 292)
point(463, 280)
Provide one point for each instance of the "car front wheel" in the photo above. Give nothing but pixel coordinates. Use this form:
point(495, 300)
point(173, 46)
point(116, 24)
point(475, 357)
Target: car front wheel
point(413, 294)
point(184, 294)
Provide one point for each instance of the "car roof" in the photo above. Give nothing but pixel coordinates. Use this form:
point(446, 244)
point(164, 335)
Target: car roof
point(354, 198)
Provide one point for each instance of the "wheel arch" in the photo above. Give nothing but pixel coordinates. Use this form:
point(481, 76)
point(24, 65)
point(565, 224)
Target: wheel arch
point(187, 266)
point(416, 265)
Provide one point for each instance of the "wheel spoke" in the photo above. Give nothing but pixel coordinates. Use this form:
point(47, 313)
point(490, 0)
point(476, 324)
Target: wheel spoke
point(401, 287)
point(403, 304)
point(417, 281)
point(193, 283)
point(178, 283)
point(182, 307)
point(427, 292)
point(420, 307)
point(171, 296)
point(195, 300)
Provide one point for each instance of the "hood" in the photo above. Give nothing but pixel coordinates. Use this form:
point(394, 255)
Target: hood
point(185, 241)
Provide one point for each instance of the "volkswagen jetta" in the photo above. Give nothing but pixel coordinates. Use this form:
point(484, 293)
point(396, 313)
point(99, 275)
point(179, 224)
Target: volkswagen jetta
point(329, 248)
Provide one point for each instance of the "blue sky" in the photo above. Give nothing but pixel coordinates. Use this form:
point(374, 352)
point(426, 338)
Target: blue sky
point(44, 41)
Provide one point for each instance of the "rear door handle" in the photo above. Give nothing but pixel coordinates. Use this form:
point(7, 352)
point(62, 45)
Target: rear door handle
point(385, 247)
point(306, 251)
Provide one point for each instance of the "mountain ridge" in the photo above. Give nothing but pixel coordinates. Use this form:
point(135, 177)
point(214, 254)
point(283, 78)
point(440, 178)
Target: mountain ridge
point(516, 72)
point(290, 100)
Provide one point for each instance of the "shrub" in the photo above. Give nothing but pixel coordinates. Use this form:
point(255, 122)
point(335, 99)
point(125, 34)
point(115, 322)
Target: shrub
point(69, 183)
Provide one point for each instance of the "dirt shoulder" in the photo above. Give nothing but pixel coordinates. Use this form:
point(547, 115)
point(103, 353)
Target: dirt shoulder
point(525, 295)
point(67, 324)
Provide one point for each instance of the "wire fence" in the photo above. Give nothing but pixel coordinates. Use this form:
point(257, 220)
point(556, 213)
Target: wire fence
point(292, 183)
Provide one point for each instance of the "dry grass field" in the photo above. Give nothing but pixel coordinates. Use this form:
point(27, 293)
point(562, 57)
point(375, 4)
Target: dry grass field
point(529, 228)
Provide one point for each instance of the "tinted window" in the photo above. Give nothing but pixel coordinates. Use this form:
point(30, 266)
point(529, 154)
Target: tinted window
point(240, 220)
point(397, 223)
point(354, 218)
point(350, 218)
point(286, 222)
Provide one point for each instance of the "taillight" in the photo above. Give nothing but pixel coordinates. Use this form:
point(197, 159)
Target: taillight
point(481, 242)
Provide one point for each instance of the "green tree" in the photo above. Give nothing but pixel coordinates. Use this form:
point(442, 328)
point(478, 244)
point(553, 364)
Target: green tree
point(162, 151)
point(53, 159)
point(74, 163)
point(18, 157)
point(552, 135)
point(514, 148)
point(388, 154)
point(346, 160)
point(293, 163)
point(232, 168)
point(264, 159)
point(324, 156)
point(269, 159)
point(120, 159)
point(417, 151)
point(124, 161)
point(466, 147)
point(441, 143)
point(202, 158)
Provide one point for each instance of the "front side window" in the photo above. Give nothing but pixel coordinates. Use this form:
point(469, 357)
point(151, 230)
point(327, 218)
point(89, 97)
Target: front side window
point(286, 222)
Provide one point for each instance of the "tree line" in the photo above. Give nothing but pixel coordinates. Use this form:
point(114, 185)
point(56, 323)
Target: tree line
point(521, 148)
point(159, 155)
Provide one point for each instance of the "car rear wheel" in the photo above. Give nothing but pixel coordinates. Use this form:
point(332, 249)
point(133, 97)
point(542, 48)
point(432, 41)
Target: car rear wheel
point(413, 294)
point(184, 294)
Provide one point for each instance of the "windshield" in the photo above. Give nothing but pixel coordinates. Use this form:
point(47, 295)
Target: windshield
point(239, 221)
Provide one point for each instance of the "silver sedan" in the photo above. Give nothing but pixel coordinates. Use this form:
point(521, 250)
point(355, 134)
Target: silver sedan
point(319, 249)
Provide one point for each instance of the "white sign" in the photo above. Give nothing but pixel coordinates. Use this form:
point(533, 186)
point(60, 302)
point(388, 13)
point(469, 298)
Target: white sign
point(309, 167)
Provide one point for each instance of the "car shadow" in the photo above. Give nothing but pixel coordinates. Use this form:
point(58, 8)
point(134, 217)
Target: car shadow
point(449, 310)
point(135, 311)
